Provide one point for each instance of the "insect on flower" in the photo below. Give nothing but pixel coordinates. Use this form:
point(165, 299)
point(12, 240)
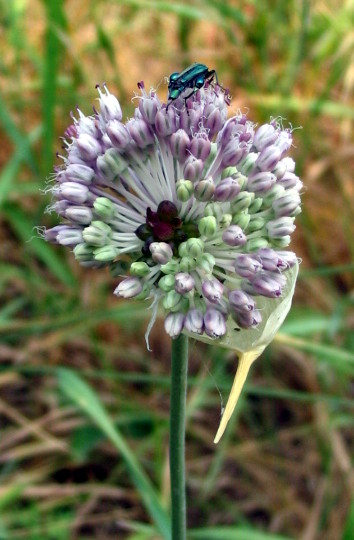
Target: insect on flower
point(194, 77)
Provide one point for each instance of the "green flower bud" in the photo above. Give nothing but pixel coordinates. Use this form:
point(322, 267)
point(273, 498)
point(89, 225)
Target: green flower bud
point(139, 269)
point(229, 171)
point(247, 164)
point(184, 190)
point(225, 221)
point(255, 224)
point(206, 262)
point(144, 293)
point(212, 154)
point(214, 209)
point(254, 244)
point(173, 301)
point(187, 264)
point(104, 208)
point(195, 247)
point(106, 253)
point(97, 234)
point(182, 250)
point(83, 253)
point(242, 201)
point(255, 206)
point(208, 226)
point(241, 219)
point(274, 193)
point(167, 283)
point(280, 243)
point(171, 267)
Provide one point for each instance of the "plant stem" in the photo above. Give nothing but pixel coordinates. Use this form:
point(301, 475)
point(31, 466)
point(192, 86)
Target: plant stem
point(179, 370)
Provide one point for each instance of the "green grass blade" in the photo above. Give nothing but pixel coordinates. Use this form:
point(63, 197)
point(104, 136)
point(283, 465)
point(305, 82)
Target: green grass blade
point(349, 526)
point(88, 401)
point(233, 533)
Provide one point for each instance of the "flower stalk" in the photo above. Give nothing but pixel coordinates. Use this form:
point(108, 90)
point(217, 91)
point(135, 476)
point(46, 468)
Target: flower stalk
point(179, 371)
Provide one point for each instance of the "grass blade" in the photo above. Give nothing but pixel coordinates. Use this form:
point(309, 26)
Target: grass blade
point(88, 401)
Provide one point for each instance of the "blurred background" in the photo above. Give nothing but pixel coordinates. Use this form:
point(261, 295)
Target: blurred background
point(284, 468)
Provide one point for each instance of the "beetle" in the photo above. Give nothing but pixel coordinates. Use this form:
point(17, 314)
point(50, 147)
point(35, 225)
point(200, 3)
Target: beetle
point(194, 77)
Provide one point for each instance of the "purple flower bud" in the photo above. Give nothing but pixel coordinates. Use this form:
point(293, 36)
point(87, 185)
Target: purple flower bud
point(247, 266)
point(268, 158)
point(289, 180)
point(161, 252)
point(194, 321)
point(174, 324)
point(79, 214)
point(269, 259)
point(179, 144)
point(184, 283)
point(74, 192)
point(128, 288)
point(265, 136)
point(284, 141)
point(261, 181)
point(69, 236)
point(189, 120)
point(234, 236)
point(165, 122)
point(118, 134)
point(109, 106)
point(77, 173)
point(233, 153)
point(268, 284)
point(286, 259)
point(148, 107)
point(193, 168)
point(140, 132)
point(214, 322)
point(227, 190)
point(248, 319)
point(200, 147)
point(213, 120)
point(50, 235)
point(286, 205)
point(212, 290)
point(88, 146)
point(241, 301)
point(279, 227)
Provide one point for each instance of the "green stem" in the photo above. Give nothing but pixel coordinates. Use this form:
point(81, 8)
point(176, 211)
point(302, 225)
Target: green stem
point(179, 370)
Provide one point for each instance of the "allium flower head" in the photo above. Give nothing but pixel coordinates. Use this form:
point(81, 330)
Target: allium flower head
point(200, 206)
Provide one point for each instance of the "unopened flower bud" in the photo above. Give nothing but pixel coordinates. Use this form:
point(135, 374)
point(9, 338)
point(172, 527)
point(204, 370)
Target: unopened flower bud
point(83, 252)
point(140, 132)
point(118, 134)
point(77, 173)
point(139, 269)
point(173, 301)
point(187, 264)
point(194, 321)
point(242, 201)
point(106, 253)
point(255, 206)
point(128, 288)
point(111, 165)
point(69, 236)
point(269, 259)
point(234, 236)
point(194, 247)
point(207, 226)
point(165, 122)
point(227, 190)
point(247, 319)
point(256, 223)
point(104, 208)
point(206, 262)
point(281, 243)
point(247, 266)
point(284, 141)
point(212, 290)
point(88, 146)
point(148, 106)
point(241, 219)
point(254, 244)
point(179, 144)
point(268, 284)
point(261, 182)
point(193, 168)
point(109, 106)
point(289, 180)
point(225, 221)
point(161, 252)
point(184, 190)
point(286, 259)
point(279, 227)
point(286, 205)
point(215, 324)
point(247, 165)
point(174, 324)
point(276, 191)
point(167, 283)
point(171, 267)
point(97, 234)
point(268, 158)
point(79, 214)
point(74, 192)
point(214, 209)
point(204, 190)
point(200, 147)
point(241, 301)
point(264, 136)
point(184, 283)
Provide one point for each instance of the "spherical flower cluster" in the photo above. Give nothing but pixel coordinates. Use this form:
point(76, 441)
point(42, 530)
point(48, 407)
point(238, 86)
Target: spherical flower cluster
point(194, 208)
